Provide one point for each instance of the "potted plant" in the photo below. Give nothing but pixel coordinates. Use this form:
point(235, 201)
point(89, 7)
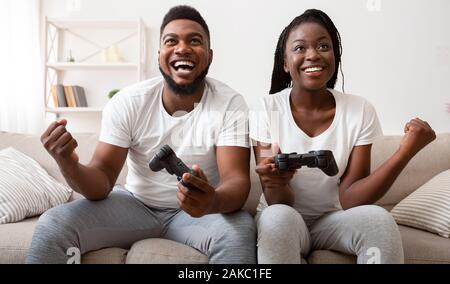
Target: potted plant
point(112, 93)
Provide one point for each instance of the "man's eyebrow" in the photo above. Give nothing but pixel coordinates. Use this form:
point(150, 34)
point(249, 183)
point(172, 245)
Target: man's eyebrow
point(174, 35)
point(196, 34)
point(170, 35)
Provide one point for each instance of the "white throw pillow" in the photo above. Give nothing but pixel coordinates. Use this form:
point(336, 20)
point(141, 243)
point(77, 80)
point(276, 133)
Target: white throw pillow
point(25, 187)
point(428, 207)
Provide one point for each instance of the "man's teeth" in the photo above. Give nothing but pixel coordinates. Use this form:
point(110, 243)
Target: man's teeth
point(313, 69)
point(184, 63)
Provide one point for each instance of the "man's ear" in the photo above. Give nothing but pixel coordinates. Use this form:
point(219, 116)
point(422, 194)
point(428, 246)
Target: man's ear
point(210, 56)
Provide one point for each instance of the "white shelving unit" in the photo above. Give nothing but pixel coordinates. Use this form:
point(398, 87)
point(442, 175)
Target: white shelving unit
point(90, 67)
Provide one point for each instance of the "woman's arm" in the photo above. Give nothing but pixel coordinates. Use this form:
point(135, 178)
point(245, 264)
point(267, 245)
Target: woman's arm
point(275, 185)
point(359, 187)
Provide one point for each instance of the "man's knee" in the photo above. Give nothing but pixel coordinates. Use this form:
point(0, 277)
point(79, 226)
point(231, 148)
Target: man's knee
point(240, 222)
point(56, 224)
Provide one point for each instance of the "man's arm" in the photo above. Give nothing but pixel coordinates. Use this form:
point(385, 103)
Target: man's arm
point(234, 171)
point(95, 180)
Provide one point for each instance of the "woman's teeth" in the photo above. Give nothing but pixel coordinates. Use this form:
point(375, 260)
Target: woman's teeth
point(313, 69)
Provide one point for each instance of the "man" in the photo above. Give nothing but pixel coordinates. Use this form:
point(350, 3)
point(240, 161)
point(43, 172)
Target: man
point(202, 120)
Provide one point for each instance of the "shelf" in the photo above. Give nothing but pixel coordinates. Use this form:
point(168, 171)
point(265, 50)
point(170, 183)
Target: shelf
point(92, 38)
point(93, 66)
point(75, 110)
point(89, 24)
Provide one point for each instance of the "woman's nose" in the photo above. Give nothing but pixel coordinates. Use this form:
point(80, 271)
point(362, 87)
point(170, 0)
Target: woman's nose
point(312, 54)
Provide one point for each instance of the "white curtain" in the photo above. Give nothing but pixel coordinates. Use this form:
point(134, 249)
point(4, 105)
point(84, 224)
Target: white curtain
point(21, 72)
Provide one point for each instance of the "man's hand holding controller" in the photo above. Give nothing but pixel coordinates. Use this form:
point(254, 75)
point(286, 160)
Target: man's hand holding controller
point(195, 195)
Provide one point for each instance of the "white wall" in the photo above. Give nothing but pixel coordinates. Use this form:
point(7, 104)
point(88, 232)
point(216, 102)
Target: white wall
point(396, 53)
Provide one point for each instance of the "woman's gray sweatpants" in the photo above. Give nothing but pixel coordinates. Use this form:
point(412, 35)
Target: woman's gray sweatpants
point(368, 231)
point(121, 219)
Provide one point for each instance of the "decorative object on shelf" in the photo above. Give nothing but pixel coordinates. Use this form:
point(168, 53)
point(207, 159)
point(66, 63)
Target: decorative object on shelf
point(112, 93)
point(70, 59)
point(112, 54)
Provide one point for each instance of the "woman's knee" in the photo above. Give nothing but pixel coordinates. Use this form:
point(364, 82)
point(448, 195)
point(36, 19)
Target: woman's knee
point(381, 235)
point(280, 220)
point(280, 215)
point(375, 215)
point(282, 235)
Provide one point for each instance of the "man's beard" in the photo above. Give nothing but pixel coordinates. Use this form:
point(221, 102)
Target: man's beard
point(185, 90)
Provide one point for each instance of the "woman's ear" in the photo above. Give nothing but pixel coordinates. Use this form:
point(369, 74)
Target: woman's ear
point(285, 67)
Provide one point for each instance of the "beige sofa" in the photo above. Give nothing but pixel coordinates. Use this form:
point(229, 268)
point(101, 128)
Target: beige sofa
point(419, 246)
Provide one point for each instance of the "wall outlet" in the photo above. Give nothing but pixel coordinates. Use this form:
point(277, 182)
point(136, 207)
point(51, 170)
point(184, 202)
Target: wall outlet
point(73, 5)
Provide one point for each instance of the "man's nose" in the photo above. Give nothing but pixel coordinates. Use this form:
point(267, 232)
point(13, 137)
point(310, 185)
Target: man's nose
point(183, 48)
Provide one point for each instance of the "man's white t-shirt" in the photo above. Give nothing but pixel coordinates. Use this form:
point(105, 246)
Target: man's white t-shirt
point(355, 123)
point(135, 118)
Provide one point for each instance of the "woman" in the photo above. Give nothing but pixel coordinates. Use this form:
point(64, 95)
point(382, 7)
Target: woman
point(305, 209)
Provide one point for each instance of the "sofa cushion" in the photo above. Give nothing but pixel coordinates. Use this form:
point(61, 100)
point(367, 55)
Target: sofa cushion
point(15, 240)
point(162, 251)
point(105, 256)
point(428, 207)
point(424, 247)
point(420, 247)
point(26, 189)
point(430, 161)
point(32, 147)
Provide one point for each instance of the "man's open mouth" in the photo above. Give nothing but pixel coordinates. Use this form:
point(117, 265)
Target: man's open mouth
point(183, 65)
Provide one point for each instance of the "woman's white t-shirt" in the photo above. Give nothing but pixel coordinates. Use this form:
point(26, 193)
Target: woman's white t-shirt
point(355, 123)
point(135, 118)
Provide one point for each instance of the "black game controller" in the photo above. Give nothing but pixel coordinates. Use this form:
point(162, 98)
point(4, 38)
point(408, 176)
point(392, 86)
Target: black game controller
point(323, 160)
point(166, 158)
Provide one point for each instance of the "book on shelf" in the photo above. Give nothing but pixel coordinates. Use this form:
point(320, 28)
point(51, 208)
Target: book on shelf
point(68, 96)
point(59, 99)
point(80, 96)
point(54, 96)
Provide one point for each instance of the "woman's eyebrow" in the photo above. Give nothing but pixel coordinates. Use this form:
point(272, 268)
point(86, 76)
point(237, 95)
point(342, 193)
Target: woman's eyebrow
point(302, 40)
point(298, 40)
point(322, 37)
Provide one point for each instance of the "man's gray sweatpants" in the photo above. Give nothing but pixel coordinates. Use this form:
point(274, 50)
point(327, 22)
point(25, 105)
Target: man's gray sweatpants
point(368, 231)
point(121, 219)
